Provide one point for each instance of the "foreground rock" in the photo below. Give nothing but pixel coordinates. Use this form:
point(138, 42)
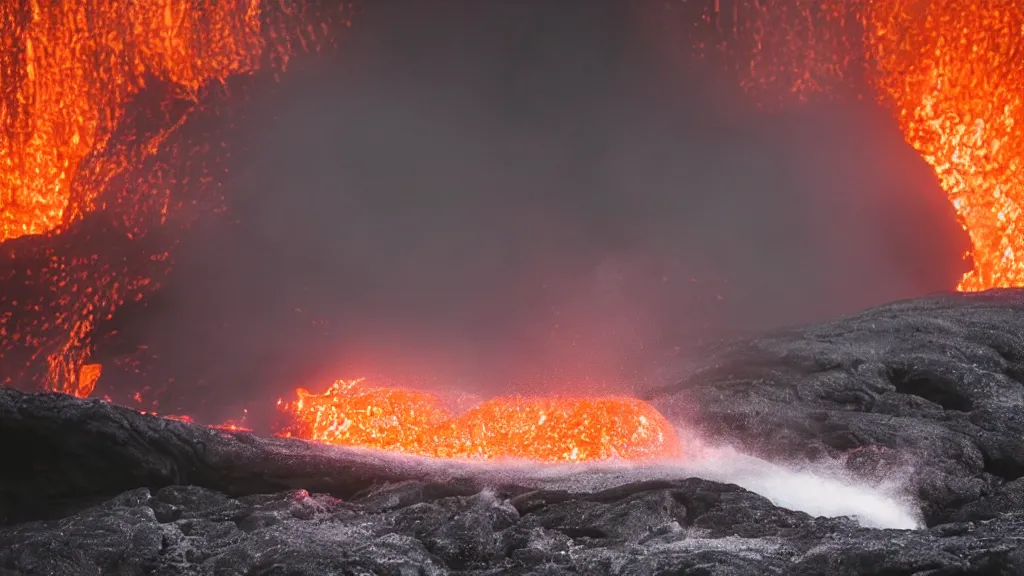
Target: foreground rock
point(691, 526)
point(931, 386)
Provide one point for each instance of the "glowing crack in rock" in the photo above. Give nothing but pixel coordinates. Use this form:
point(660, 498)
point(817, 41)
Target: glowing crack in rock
point(544, 429)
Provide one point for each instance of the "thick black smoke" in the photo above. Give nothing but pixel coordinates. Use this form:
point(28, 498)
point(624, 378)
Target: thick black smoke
point(509, 195)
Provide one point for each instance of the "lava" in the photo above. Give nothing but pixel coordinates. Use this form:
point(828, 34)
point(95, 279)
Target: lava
point(951, 72)
point(71, 72)
point(548, 429)
point(90, 92)
point(70, 68)
point(954, 74)
point(228, 426)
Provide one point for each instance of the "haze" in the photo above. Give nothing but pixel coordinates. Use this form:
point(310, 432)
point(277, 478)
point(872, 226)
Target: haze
point(523, 196)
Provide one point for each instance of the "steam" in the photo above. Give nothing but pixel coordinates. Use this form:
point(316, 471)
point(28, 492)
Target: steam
point(526, 197)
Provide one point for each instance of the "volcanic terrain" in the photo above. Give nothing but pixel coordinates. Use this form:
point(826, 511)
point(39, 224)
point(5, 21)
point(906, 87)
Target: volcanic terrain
point(921, 398)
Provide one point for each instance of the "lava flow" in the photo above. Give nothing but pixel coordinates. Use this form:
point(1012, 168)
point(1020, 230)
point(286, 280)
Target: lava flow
point(954, 72)
point(71, 72)
point(69, 69)
point(951, 71)
point(549, 429)
point(91, 91)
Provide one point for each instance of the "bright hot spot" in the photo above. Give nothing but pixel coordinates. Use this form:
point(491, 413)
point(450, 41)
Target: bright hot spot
point(544, 429)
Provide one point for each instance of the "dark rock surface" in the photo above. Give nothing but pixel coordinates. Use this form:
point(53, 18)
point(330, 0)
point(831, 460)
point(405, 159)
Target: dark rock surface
point(935, 383)
point(933, 386)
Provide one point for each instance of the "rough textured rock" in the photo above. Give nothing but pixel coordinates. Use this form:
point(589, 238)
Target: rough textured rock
point(935, 383)
point(690, 526)
point(932, 385)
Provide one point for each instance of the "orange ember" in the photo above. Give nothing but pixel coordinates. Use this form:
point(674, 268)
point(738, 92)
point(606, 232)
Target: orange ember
point(231, 426)
point(350, 413)
point(73, 71)
point(795, 50)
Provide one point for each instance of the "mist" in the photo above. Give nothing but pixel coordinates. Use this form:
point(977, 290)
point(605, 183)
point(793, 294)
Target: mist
point(512, 196)
point(824, 489)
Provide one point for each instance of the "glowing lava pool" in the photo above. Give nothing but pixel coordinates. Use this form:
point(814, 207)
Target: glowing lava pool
point(540, 429)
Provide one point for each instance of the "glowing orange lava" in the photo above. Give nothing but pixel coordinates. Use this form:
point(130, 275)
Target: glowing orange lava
point(70, 71)
point(88, 375)
point(70, 68)
point(954, 73)
point(549, 429)
point(951, 71)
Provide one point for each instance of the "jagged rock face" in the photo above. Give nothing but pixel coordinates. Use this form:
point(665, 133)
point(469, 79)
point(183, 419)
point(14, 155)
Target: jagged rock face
point(933, 385)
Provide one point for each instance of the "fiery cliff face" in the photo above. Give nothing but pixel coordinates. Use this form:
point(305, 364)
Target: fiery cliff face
point(69, 71)
point(93, 93)
point(69, 149)
point(954, 74)
point(547, 429)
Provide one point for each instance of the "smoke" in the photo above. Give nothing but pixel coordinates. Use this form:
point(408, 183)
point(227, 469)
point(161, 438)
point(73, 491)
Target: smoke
point(525, 196)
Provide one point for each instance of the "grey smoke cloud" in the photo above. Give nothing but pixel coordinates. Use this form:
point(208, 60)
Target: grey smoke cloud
point(520, 196)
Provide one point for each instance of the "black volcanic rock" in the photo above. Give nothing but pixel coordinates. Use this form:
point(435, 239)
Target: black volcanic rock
point(935, 383)
point(932, 386)
point(638, 530)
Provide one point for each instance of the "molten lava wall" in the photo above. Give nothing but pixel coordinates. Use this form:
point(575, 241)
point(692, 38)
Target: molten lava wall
point(951, 72)
point(512, 191)
point(954, 73)
point(565, 429)
point(92, 94)
point(70, 68)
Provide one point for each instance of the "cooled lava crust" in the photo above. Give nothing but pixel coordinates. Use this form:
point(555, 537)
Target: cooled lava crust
point(935, 385)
